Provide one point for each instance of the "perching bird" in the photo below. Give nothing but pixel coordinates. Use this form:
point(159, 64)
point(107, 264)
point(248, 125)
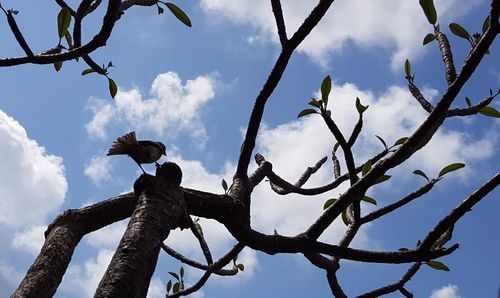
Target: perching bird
point(140, 151)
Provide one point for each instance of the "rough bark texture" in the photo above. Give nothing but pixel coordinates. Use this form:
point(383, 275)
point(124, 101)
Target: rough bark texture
point(160, 208)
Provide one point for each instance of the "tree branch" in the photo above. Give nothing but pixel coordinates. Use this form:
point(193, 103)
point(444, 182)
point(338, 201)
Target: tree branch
point(280, 22)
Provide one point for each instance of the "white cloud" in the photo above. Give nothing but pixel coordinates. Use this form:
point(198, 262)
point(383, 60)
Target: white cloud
point(173, 107)
point(29, 177)
point(30, 240)
point(98, 169)
point(449, 291)
point(107, 237)
point(82, 281)
point(397, 26)
point(9, 279)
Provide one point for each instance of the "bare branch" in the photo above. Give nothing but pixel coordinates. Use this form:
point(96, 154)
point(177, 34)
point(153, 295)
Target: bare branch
point(17, 33)
point(272, 81)
point(401, 202)
point(280, 22)
point(419, 97)
point(471, 110)
point(356, 131)
point(445, 49)
point(450, 220)
point(399, 285)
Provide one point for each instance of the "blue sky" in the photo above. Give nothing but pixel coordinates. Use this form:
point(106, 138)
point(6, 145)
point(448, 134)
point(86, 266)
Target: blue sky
point(193, 89)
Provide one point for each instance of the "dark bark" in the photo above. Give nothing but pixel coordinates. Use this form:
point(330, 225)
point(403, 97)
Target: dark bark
point(160, 208)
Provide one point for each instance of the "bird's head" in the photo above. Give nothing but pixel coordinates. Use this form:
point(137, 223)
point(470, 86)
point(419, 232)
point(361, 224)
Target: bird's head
point(163, 148)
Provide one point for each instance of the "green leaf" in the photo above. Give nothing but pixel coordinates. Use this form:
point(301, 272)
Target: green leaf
point(241, 267)
point(174, 275)
point(401, 141)
point(315, 103)
point(429, 10)
point(160, 9)
point(382, 141)
point(58, 65)
point(486, 23)
point(450, 168)
point(437, 265)
point(421, 173)
point(179, 14)
point(344, 217)
point(467, 100)
point(361, 108)
point(87, 71)
point(369, 200)
point(113, 89)
point(110, 64)
point(407, 68)
point(459, 31)
point(182, 272)
point(326, 87)
point(328, 203)
point(224, 185)
point(68, 38)
point(63, 21)
point(381, 179)
point(428, 38)
point(169, 286)
point(176, 287)
point(366, 167)
point(306, 112)
point(490, 112)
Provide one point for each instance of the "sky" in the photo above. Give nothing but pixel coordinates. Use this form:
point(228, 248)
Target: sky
point(193, 89)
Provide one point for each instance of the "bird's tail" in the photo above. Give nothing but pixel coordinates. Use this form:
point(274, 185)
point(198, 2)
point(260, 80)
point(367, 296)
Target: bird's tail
point(122, 144)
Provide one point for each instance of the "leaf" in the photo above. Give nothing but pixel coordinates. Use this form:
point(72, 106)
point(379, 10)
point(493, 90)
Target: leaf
point(176, 287)
point(87, 71)
point(58, 65)
point(344, 217)
point(315, 103)
point(486, 24)
point(381, 179)
point(459, 31)
point(467, 100)
point(428, 38)
point(224, 185)
point(450, 168)
point(437, 265)
point(421, 173)
point(241, 267)
point(361, 108)
point(306, 112)
point(369, 200)
point(113, 89)
point(328, 203)
point(160, 9)
point(490, 112)
point(382, 141)
point(110, 64)
point(179, 14)
point(407, 68)
point(68, 38)
point(326, 87)
point(366, 167)
point(429, 10)
point(174, 275)
point(182, 272)
point(63, 21)
point(401, 141)
point(169, 286)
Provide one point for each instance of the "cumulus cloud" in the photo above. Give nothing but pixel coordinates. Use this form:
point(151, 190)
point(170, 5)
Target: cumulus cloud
point(30, 177)
point(30, 240)
point(449, 291)
point(172, 104)
point(397, 26)
point(98, 169)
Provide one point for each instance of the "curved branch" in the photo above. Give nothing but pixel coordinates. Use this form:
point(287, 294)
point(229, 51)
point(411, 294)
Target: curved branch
point(471, 110)
point(445, 49)
point(399, 285)
point(419, 97)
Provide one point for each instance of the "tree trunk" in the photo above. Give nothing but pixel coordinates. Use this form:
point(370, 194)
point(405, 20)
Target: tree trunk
point(160, 208)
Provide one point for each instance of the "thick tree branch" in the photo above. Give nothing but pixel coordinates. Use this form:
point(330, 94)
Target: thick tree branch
point(445, 49)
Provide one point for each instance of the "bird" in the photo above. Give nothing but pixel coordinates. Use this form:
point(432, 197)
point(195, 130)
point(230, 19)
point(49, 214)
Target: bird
point(142, 152)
